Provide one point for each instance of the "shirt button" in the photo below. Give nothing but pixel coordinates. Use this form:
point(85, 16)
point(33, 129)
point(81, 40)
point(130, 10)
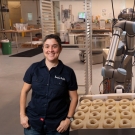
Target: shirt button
point(44, 104)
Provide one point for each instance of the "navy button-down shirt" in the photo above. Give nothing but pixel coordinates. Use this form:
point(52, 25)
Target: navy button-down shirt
point(50, 100)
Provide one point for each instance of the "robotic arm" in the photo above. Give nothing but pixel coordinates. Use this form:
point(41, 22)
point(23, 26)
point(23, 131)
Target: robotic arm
point(108, 70)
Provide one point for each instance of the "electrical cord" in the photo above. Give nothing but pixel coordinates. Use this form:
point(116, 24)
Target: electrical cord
point(132, 18)
point(113, 9)
point(106, 86)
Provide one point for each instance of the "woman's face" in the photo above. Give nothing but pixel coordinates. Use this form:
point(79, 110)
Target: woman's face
point(51, 50)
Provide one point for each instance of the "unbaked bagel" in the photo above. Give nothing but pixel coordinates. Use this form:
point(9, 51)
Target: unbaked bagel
point(86, 102)
point(125, 123)
point(79, 115)
point(125, 114)
point(97, 102)
point(95, 108)
point(110, 102)
point(133, 102)
point(124, 108)
point(124, 102)
point(92, 123)
point(95, 115)
point(133, 108)
point(108, 123)
point(110, 108)
point(77, 124)
point(110, 114)
point(83, 108)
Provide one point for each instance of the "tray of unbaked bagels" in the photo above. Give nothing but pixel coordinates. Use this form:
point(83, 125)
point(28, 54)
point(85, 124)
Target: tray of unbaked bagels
point(108, 114)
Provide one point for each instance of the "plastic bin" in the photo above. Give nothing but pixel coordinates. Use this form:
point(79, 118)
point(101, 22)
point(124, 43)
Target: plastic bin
point(6, 47)
point(71, 39)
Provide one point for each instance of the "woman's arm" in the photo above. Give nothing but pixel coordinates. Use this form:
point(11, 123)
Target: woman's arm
point(74, 100)
point(23, 98)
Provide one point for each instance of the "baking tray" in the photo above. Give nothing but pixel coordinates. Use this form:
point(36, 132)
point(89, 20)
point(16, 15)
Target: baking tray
point(100, 130)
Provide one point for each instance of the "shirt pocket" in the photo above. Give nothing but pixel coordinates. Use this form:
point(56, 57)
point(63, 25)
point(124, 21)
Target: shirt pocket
point(60, 86)
point(39, 84)
point(37, 79)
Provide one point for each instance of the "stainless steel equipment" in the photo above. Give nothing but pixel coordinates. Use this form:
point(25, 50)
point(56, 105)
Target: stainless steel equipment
point(99, 42)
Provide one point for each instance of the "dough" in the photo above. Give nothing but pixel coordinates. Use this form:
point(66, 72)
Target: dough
point(86, 102)
point(110, 108)
point(124, 108)
point(125, 123)
point(124, 102)
point(79, 115)
point(110, 102)
point(110, 114)
point(126, 114)
point(95, 108)
point(133, 102)
point(77, 124)
point(133, 108)
point(97, 102)
point(92, 123)
point(95, 115)
point(108, 123)
point(83, 108)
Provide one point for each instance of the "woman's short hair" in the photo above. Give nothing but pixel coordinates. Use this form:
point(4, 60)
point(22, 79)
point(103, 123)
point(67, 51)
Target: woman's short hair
point(53, 36)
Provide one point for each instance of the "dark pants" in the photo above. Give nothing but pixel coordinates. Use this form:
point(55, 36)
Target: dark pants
point(31, 131)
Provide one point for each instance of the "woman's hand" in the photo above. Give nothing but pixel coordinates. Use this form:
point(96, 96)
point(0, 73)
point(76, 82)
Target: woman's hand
point(24, 121)
point(63, 125)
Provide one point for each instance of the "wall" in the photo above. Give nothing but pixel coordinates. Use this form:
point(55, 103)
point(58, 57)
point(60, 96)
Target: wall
point(18, 11)
point(101, 8)
point(77, 6)
point(14, 11)
point(97, 6)
point(30, 7)
point(129, 3)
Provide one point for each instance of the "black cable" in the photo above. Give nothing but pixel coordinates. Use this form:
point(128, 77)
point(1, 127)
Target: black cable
point(113, 9)
point(105, 81)
point(1, 21)
point(2, 15)
point(133, 11)
point(100, 85)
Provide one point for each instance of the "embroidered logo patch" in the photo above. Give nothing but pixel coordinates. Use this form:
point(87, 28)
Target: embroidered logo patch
point(58, 77)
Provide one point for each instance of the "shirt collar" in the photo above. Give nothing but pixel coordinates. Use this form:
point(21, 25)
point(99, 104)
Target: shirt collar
point(58, 67)
point(42, 63)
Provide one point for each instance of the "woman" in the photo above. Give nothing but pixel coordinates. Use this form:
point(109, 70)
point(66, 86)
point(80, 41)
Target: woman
point(54, 93)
